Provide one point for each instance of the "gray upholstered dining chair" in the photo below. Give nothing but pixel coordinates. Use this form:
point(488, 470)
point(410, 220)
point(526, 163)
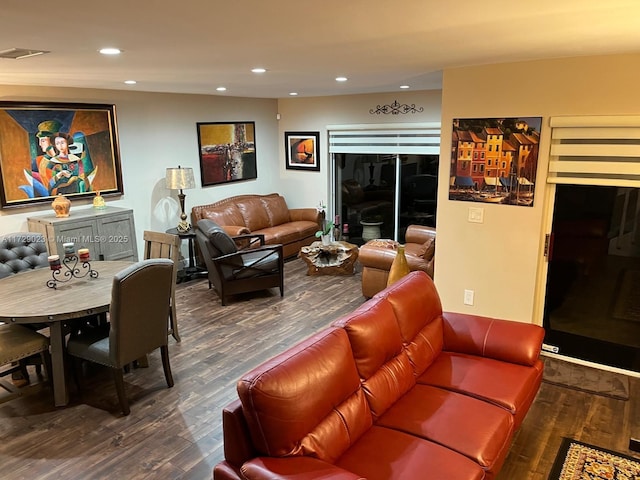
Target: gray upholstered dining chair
point(232, 271)
point(140, 302)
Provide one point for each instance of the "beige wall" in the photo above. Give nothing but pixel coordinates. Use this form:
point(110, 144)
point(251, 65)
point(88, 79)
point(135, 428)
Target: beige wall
point(500, 258)
point(157, 131)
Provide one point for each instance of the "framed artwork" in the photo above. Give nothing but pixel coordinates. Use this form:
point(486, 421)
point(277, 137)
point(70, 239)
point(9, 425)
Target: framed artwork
point(227, 152)
point(495, 160)
point(302, 150)
point(48, 149)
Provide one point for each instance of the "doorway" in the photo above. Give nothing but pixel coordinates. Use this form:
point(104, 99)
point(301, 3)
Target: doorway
point(379, 195)
point(592, 301)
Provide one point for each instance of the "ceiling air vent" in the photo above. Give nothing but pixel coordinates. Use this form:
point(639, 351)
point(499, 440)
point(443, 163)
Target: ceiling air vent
point(18, 53)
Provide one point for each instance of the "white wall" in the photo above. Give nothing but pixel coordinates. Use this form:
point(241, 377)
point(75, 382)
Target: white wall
point(500, 258)
point(315, 113)
point(157, 131)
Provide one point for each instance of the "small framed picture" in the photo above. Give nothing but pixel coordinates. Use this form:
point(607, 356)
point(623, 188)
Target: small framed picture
point(302, 150)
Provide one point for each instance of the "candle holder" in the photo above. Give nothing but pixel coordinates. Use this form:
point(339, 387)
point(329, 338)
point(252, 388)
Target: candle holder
point(70, 267)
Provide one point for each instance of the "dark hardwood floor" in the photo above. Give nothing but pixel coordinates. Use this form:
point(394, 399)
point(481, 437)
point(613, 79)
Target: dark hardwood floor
point(176, 433)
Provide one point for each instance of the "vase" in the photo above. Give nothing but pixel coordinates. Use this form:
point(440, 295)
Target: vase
point(326, 239)
point(61, 206)
point(370, 230)
point(399, 267)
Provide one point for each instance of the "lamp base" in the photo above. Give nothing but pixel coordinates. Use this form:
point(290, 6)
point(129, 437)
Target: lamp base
point(183, 226)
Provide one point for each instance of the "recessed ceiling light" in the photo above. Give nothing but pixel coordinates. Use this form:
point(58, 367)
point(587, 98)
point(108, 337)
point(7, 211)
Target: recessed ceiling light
point(341, 79)
point(130, 82)
point(293, 94)
point(221, 89)
point(405, 86)
point(258, 70)
point(110, 51)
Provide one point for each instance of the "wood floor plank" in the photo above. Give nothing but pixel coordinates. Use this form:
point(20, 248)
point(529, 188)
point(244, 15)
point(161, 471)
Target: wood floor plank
point(177, 433)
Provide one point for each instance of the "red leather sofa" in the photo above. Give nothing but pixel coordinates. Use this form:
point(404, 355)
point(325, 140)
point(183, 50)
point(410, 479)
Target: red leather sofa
point(396, 389)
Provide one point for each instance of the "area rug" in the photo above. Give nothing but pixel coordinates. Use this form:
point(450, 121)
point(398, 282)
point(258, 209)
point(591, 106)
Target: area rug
point(585, 379)
point(627, 303)
point(581, 461)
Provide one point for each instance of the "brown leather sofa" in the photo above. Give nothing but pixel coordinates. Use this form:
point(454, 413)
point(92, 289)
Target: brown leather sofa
point(397, 389)
point(376, 257)
point(267, 215)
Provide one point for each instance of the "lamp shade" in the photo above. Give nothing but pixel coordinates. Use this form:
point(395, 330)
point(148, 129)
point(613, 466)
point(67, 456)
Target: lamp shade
point(179, 178)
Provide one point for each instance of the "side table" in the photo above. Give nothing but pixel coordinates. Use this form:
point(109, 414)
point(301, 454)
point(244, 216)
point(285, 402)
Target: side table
point(192, 271)
point(337, 258)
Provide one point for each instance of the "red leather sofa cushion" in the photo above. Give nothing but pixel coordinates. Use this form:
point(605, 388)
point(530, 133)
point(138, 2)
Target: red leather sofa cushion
point(307, 400)
point(384, 454)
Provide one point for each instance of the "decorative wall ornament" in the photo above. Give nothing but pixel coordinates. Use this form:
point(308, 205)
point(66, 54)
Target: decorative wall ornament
point(395, 108)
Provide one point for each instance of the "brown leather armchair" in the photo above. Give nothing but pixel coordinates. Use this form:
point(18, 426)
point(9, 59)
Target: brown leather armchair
point(232, 270)
point(376, 257)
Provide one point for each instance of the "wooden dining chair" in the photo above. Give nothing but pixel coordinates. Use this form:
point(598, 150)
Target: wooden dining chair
point(140, 302)
point(18, 343)
point(165, 245)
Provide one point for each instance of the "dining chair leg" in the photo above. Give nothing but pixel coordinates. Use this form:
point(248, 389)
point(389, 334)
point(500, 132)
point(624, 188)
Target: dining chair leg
point(174, 321)
point(122, 396)
point(164, 351)
point(46, 361)
point(77, 373)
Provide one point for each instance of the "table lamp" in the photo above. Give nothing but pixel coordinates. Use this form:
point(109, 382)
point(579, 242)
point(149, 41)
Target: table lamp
point(178, 179)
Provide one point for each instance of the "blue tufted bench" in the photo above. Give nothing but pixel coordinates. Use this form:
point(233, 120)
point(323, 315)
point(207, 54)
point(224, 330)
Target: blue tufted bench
point(22, 251)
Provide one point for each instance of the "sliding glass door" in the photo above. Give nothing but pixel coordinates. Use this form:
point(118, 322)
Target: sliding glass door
point(379, 195)
point(384, 178)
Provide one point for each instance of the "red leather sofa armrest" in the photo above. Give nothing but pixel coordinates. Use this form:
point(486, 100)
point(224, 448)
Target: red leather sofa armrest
point(237, 439)
point(504, 340)
point(294, 468)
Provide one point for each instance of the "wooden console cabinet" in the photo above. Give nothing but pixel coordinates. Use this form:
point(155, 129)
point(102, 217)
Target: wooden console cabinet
point(109, 234)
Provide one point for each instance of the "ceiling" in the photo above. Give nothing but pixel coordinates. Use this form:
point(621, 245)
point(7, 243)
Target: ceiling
point(194, 46)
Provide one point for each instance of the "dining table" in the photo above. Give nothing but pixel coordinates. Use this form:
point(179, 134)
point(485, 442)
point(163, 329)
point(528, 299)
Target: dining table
point(30, 297)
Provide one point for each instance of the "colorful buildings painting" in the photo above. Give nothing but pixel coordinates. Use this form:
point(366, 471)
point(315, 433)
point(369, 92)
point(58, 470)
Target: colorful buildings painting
point(494, 160)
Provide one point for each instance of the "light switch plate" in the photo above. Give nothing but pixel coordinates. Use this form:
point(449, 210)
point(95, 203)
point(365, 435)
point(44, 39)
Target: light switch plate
point(476, 214)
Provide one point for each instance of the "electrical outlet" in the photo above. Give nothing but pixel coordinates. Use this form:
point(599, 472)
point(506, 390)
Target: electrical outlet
point(468, 297)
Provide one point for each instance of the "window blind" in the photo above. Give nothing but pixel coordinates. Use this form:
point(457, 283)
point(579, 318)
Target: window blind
point(423, 138)
point(595, 150)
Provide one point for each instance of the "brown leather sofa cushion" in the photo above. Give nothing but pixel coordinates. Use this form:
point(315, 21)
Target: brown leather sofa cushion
point(254, 214)
point(277, 210)
point(225, 215)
